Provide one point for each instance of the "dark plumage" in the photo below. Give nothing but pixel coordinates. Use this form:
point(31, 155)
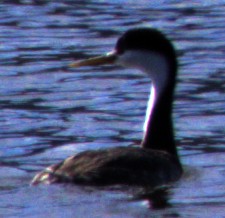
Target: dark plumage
point(154, 163)
point(120, 165)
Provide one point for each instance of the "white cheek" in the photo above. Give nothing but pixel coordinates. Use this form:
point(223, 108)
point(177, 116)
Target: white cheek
point(152, 63)
point(127, 60)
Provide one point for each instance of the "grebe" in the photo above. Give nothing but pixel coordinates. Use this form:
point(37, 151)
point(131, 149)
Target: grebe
point(156, 161)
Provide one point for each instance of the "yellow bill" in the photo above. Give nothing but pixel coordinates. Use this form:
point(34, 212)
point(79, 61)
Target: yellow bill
point(100, 60)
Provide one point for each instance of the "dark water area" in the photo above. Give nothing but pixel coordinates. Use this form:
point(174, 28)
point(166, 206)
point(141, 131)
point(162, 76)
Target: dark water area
point(49, 111)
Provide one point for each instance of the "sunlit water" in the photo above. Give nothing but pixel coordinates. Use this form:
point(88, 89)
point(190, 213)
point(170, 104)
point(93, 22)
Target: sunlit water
point(49, 111)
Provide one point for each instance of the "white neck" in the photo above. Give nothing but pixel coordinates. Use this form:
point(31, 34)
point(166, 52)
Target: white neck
point(155, 66)
point(151, 102)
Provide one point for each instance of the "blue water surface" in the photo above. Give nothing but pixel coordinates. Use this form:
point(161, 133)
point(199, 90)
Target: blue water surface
point(49, 111)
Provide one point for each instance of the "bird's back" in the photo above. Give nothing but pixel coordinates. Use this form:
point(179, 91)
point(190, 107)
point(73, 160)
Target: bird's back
point(120, 165)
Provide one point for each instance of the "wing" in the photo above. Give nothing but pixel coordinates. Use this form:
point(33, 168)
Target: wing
point(121, 165)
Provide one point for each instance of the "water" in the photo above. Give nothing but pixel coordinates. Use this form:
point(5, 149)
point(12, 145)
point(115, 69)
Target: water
point(49, 111)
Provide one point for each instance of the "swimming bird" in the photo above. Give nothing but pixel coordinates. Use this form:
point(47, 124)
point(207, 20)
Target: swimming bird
point(155, 162)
